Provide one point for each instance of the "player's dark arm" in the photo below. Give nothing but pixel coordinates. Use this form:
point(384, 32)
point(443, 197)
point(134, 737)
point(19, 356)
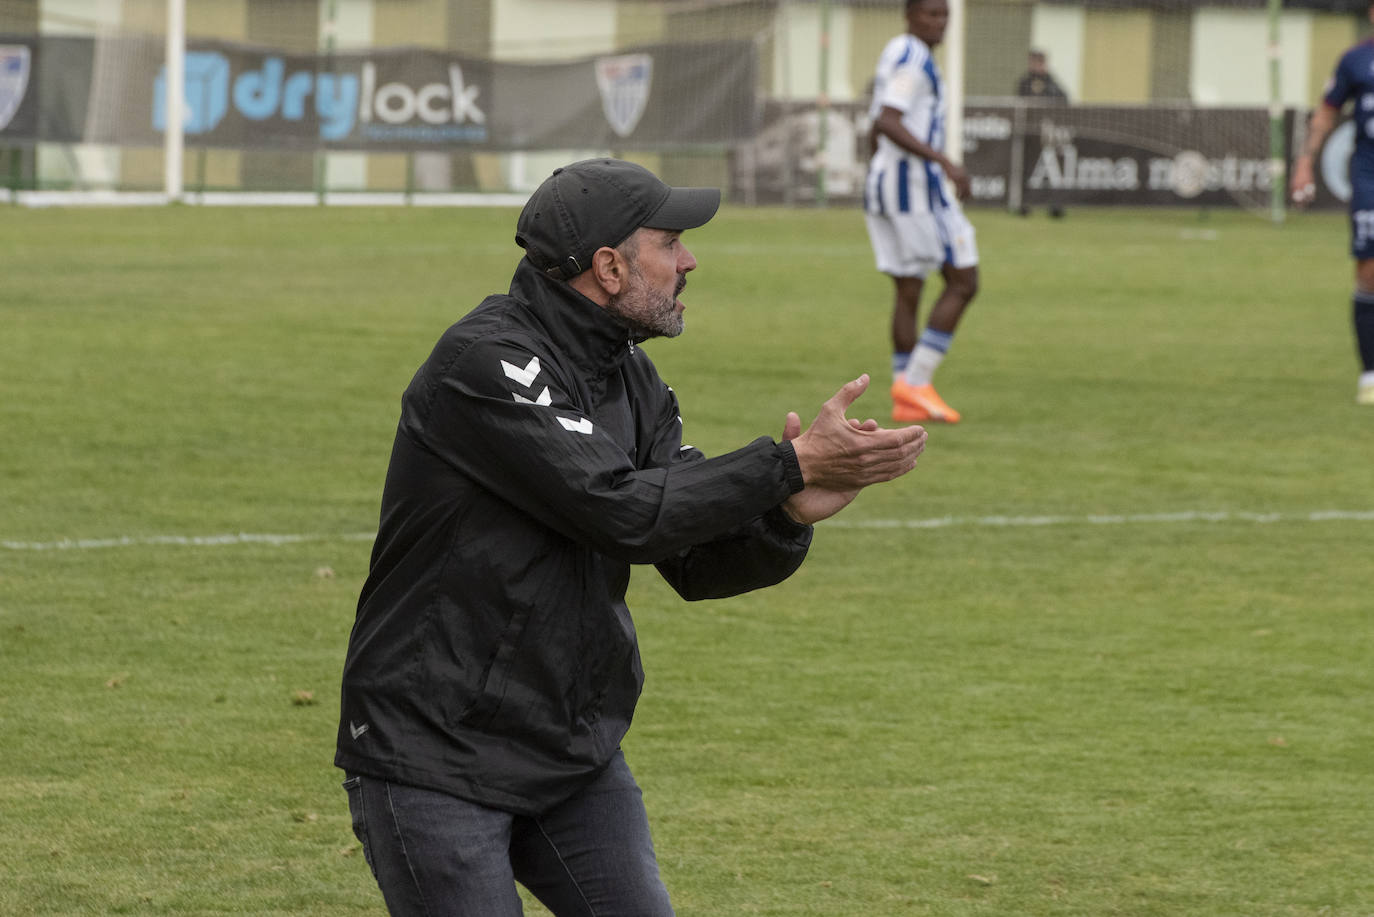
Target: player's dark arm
point(1302, 184)
point(889, 124)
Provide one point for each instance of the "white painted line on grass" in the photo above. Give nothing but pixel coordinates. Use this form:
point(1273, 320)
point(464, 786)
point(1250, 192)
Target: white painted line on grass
point(85, 544)
point(1125, 519)
point(1333, 515)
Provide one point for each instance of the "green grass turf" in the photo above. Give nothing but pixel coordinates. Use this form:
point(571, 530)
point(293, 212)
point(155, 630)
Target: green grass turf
point(1124, 709)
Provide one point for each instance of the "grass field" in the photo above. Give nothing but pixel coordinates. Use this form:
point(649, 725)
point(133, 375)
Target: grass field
point(1109, 651)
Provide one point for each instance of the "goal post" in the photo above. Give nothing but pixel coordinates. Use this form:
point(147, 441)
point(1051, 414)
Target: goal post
point(174, 139)
point(1278, 165)
point(955, 56)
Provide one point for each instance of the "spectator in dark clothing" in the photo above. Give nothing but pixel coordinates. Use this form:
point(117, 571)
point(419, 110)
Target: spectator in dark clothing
point(1038, 82)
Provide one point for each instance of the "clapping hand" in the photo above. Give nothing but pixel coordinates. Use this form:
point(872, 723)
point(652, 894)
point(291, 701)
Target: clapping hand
point(839, 456)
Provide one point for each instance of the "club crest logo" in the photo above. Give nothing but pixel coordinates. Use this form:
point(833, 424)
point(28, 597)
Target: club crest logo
point(14, 80)
point(624, 85)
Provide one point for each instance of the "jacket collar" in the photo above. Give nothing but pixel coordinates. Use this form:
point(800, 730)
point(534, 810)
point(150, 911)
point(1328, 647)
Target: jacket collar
point(596, 341)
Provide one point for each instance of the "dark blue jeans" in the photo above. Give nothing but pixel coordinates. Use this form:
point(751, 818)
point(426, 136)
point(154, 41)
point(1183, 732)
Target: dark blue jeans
point(434, 854)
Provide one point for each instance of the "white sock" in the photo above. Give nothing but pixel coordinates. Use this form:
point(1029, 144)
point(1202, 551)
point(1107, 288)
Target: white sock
point(927, 357)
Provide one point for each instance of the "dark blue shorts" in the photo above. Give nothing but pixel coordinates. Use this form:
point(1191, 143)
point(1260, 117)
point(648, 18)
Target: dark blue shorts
point(1362, 219)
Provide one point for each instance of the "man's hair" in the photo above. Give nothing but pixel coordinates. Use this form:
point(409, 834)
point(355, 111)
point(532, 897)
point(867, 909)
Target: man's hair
point(629, 247)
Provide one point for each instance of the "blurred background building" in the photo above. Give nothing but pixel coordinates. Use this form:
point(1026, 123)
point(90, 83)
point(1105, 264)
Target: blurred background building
point(763, 97)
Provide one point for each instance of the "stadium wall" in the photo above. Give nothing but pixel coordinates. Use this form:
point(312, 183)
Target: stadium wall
point(1117, 53)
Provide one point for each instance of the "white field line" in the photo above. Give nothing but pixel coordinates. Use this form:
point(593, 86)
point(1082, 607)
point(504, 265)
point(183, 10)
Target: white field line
point(86, 544)
point(1334, 515)
point(1123, 519)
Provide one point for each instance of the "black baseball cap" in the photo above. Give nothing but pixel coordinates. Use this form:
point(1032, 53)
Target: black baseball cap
point(600, 202)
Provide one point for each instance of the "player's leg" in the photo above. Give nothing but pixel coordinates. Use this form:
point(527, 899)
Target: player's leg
point(960, 272)
point(1362, 300)
point(914, 360)
point(434, 854)
point(890, 255)
point(592, 856)
point(960, 268)
point(906, 304)
point(1363, 320)
point(961, 285)
point(906, 247)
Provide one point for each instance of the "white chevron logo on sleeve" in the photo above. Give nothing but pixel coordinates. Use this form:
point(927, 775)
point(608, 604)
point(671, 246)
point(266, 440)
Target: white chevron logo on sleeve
point(524, 376)
point(580, 425)
point(544, 398)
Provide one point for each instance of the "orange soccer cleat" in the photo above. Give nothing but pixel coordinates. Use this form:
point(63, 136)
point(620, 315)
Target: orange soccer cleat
point(920, 402)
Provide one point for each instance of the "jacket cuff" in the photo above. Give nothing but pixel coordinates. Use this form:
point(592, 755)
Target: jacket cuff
point(791, 468)
point(785, 527)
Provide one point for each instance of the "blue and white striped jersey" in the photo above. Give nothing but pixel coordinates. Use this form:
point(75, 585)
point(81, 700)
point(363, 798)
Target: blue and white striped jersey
point(908, 80)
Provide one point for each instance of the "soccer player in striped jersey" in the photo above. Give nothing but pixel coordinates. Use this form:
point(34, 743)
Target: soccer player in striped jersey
point(1352, 81)
point(914, 221)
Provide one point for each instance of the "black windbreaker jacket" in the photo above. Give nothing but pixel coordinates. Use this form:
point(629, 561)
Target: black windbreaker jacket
point(537, 457)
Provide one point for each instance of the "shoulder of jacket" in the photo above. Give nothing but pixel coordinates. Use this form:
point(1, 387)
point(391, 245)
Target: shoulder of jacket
point(496, 333)
point(494, 339)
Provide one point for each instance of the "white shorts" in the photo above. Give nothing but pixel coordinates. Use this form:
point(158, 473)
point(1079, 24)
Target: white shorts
point(914, 244)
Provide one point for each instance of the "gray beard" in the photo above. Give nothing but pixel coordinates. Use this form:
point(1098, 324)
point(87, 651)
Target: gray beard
point(647, 314)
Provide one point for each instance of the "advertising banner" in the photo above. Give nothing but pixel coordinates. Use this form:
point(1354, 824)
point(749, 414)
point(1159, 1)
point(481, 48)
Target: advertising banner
point(1155, 156)
point(112, 90)
point(1028, 155)
point(1019, 154)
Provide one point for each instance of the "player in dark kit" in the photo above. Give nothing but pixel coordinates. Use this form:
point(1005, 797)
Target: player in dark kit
point(1353, 80)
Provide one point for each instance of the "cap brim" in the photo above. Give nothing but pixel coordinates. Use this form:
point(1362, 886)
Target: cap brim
point(685, 208)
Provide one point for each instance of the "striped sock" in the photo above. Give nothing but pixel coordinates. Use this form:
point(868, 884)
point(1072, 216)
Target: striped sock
point(899, 360)
point(930, 351)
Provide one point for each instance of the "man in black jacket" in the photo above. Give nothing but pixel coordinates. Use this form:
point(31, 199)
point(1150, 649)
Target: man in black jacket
point(493, 667)
point(1038, 82)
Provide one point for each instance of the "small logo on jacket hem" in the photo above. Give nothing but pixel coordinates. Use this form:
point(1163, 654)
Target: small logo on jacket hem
point(356, 731)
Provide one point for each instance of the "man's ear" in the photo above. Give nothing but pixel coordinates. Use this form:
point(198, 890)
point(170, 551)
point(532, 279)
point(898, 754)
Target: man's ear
point(608, 270)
